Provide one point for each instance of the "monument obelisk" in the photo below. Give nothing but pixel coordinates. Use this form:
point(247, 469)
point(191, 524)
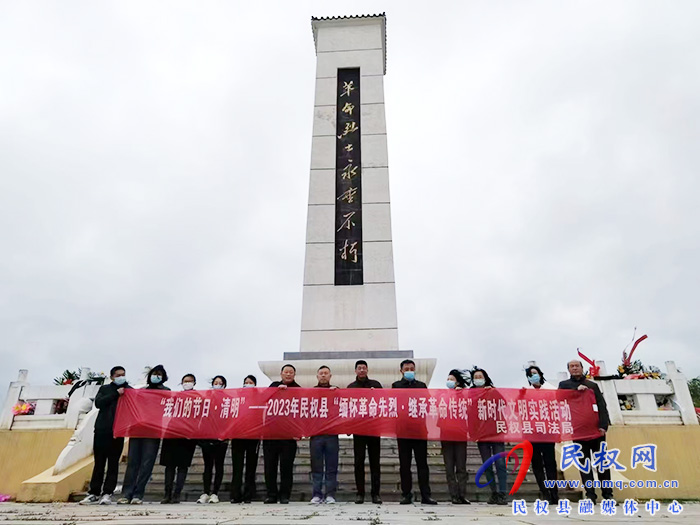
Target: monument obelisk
point(349, 300)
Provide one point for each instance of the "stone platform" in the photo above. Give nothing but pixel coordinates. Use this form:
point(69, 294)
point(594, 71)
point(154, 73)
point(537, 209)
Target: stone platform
point(385, 370)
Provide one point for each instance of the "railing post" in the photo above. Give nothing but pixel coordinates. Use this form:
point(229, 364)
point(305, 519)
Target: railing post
point(13, 396)
point(610, 394)
point(681, 394)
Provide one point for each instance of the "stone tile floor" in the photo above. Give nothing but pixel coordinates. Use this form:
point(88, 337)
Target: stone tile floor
point(297, 513)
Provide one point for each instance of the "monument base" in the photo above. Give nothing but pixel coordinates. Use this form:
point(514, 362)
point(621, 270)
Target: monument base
point(383, 366)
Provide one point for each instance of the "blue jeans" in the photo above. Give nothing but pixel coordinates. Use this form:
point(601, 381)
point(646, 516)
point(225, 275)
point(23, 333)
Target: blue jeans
point(324, 453)
point(142, 457)
point(488, 449)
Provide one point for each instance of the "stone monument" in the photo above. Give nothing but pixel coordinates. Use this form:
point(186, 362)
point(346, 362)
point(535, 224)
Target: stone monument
point(349, 299)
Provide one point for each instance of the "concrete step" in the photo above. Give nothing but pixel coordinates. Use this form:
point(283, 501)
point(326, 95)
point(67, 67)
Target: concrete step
point(390, 490)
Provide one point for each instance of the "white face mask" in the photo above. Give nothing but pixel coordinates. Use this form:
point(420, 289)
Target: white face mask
point(479, 382)
point(217, 387)
point(187, 386)
point(248, 385)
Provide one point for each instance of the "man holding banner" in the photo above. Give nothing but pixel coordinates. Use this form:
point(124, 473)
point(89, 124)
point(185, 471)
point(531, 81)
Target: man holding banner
point(280, 451)
point(415, 447)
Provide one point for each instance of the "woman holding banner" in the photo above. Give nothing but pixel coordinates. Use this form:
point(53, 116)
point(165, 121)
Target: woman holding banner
point(487, 449)
point(214, 453)
point(176, 456)
point(544, 463)
point(142, 451)
point(455, 453)
point(244, 452)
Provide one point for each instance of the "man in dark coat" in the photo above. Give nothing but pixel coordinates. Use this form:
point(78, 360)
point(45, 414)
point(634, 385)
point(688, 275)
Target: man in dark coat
point(106, 448)
point(415, 447)
point(372, 444)
point(578, 381)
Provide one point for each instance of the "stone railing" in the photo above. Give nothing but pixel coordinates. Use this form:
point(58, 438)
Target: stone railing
point(45, 398)
point(647, 401)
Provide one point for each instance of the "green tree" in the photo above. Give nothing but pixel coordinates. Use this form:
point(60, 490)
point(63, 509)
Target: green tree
point(694, 386)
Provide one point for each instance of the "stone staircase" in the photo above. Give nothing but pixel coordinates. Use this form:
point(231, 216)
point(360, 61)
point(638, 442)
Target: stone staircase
point(390, 491)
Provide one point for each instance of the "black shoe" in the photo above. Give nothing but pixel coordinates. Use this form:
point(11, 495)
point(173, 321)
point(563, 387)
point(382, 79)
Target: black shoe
point(493, 499)
point(501, 499)
point(464, 501)
point(247, 500)
point(270, 499)
point(236, 500)
point(176, 499)
point(455, 500)
point(360, 499)
point(166, 500)
point(406, 499)
point(428, 501)
point(376, 499)
point(284, 501)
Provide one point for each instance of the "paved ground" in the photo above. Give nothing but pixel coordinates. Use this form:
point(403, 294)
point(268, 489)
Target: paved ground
point(297, 513)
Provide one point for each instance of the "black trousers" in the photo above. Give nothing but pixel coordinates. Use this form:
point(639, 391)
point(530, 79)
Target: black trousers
point(373, 446)
point(455, 455)
point(544, 467)
point(107, 451)
point(170, 482)
point(419, 449)
point(588, 447)
point(279, 452)
point(214, 455)
point(244, 452)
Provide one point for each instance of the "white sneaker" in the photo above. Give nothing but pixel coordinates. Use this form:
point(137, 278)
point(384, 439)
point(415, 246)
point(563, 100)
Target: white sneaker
point(330, 500)
point(315, 500)
point(106, 499)
point(136, 501)
point(213, 498)
point(90, 499)
point(204, 498)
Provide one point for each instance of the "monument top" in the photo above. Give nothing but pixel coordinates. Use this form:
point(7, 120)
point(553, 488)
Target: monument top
point(354, 41)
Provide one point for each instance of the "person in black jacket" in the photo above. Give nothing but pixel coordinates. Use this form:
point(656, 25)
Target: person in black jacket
point(280, 451)
point(106, 448)
point(142, 451)
point(578, 381)
point(454, 453)
point(244, 452)
point(415, 447)
point(373, 444)
point(176, 455)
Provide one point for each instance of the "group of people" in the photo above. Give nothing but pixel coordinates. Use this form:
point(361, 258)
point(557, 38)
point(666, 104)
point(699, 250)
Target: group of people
point(279, 455)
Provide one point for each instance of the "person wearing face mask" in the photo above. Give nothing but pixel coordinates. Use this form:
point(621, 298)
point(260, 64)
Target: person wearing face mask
point(454, 453)
point(280, 452)
point(413, 447)
point(214, 455)
point(544, 463)
point(142, 451)
point(244, 452)
point(324, 450)
point(481, 379)
point(371, 444)
point(106, 448)
point(176, 455)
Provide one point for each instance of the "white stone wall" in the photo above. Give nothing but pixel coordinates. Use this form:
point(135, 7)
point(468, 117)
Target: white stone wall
point(340, 318)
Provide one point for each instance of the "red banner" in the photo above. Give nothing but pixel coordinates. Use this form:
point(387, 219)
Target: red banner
point(503, 414)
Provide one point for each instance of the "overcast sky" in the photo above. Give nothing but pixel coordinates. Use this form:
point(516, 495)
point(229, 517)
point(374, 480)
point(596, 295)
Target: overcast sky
point(154, 168)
